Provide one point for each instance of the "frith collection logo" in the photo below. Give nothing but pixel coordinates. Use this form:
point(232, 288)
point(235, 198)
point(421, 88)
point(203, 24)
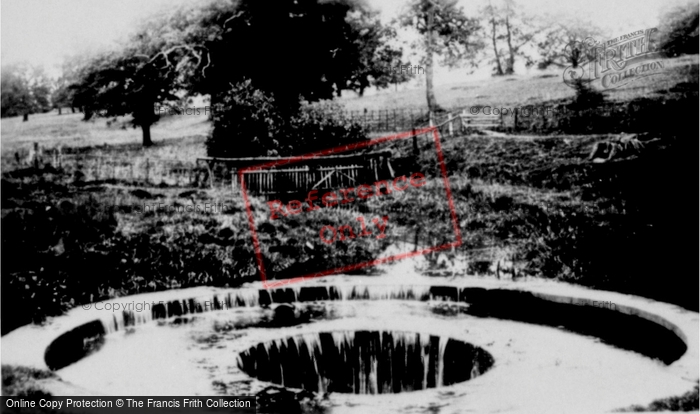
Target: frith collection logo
point(615, 62)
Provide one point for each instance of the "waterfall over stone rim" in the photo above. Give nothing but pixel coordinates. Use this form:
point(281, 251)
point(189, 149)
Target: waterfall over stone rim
point(365, 362)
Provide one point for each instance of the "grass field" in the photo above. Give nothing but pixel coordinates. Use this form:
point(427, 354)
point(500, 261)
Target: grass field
point(530, 205)
point(515, 91)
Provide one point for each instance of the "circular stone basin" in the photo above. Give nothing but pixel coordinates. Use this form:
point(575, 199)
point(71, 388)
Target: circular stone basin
point(365, 362)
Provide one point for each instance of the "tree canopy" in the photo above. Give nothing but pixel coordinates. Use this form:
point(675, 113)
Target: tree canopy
point(25, 90)
point(297, 50)
point(129, 81)
point(559, 44)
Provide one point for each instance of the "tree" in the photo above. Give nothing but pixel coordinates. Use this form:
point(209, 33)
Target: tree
point(63, 90)
point(16, 94)
point(446, 31)
point(491, 15)
point(518, 34)
point(199, 49)
point(40, 86)
point(566, 41)
point(260, 84)
point(25, 90)
point(131, 81)
point(679, 30)
point(371, 50)
point(62, 95)
point(571, 44)
point(327, 47)
point(399, 70)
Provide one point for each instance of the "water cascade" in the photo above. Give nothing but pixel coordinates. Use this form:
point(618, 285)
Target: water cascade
point(626, 329)
point(365, 362)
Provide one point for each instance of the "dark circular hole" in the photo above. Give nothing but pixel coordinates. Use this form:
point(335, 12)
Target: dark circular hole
point(365, 362)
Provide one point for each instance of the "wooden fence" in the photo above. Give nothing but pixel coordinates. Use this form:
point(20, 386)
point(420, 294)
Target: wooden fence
point(386, 120)
point(292, 180)
point(405, 119)
point(321, 173)
point(324, 172)
point(461, 121)
point(143, 171)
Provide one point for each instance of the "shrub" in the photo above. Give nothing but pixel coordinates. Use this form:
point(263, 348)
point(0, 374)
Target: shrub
point(53, 251)
point(248, 123)
point(318, 127)
point(18, 381)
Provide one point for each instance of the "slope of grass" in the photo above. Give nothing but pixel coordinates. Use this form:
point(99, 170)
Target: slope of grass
point(515, 91)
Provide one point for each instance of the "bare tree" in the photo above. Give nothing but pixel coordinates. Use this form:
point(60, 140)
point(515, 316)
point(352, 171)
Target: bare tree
point(511, 27)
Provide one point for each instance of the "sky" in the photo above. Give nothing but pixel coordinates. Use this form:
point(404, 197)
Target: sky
point(45, 32)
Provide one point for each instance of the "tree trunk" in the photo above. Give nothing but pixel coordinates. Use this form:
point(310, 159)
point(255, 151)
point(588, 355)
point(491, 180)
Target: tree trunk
point(429, 91)
point(499, 68)
point(510, 62)
point(25, 117)
point(146, 129)
point(59, 110)
point(214, 98)
point(72, 109)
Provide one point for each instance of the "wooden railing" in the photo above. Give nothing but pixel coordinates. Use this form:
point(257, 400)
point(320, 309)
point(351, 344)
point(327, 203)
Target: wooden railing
point(459, 121)
point(323, 172)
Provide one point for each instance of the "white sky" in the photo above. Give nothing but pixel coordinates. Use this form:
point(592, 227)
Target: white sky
point(44, 32)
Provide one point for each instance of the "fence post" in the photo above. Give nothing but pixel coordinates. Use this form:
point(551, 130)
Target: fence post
point(415, 240)
point(415, 143)
point(450, 127)
point(148, 166)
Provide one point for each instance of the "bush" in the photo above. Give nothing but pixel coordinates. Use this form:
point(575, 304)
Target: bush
point(318, 127)
point(248, 123)
point(53, 249)
point(18, 381)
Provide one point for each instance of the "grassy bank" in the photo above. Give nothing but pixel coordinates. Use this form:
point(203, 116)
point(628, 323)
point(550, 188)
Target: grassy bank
point(533, 205)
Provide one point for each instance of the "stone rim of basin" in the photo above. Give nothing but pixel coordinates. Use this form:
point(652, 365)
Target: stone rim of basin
point(682, 322)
